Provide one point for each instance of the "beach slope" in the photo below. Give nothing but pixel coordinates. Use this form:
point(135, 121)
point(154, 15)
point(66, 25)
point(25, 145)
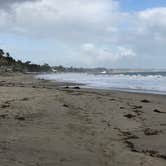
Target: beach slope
point(45, 124)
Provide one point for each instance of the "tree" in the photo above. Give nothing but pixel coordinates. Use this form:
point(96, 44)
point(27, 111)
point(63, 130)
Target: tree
point(7, 55)
point(1, 52)
point(8, 62)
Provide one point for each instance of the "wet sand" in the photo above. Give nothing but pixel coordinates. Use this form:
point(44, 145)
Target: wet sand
point(48, 124)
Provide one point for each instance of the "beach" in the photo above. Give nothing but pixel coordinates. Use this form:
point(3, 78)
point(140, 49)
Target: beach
point(44, 123)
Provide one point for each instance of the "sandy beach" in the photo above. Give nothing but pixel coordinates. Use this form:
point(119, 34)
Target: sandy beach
point(46, 124)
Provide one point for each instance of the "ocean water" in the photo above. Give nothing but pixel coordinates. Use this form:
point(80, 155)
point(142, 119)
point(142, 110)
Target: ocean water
point(136, 82)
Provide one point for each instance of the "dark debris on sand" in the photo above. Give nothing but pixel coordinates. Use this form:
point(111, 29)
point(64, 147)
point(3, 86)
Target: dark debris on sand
point(25, 99)
point(145, 101)
point(21, 118)
point(149, 131)
point(137, 107)
point(151, 153)
point(65, 105)
point(6, 105)
point(76, 87)
point(129, 116)
point(3, 116)
point(158, 111)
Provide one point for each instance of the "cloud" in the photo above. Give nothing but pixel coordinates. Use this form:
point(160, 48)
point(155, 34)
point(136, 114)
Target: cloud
point(7, 3)
point(107, 53)
point(100, 55)
point(106, 34)
point(59, 18)
point(146, 32)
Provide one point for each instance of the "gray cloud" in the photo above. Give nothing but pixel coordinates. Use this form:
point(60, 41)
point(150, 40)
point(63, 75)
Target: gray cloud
point(6, 3)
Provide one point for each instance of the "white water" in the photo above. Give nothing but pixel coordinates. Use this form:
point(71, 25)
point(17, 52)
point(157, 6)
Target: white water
point(139, 83)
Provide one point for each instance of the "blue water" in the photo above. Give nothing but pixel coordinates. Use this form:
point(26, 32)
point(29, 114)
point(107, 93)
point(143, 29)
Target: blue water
point(139, 82)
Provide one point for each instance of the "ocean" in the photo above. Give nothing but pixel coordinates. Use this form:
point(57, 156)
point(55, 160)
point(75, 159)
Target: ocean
point(151, 82)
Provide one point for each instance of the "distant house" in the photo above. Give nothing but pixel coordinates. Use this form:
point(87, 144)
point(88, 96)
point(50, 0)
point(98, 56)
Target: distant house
point(54, 70)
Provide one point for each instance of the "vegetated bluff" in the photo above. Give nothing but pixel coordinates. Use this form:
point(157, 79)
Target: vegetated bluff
point(9, 64)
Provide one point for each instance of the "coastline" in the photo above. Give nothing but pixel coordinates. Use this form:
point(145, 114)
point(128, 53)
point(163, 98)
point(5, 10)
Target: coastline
point(45, 123)
point(107, 82)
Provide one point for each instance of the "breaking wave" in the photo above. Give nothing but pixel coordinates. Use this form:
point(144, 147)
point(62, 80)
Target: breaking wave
point(137, 82)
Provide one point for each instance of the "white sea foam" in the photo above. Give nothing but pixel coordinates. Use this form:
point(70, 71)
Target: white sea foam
point(148, 83)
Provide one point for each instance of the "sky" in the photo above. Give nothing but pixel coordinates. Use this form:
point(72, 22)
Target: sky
point(85, 33)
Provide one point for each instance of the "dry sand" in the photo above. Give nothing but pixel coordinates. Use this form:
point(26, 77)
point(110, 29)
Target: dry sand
point(43, 124)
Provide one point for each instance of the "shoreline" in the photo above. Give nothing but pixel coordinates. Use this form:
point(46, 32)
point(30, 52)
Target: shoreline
point(45, 123)
point(86, 86)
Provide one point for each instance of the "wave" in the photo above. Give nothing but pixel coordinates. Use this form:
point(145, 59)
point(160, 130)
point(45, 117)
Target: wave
point(152, 83)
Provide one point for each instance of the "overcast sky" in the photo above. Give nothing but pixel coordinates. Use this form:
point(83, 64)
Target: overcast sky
point(86, 33)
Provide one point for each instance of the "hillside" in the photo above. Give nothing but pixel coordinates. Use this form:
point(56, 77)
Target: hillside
point(9, 64)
